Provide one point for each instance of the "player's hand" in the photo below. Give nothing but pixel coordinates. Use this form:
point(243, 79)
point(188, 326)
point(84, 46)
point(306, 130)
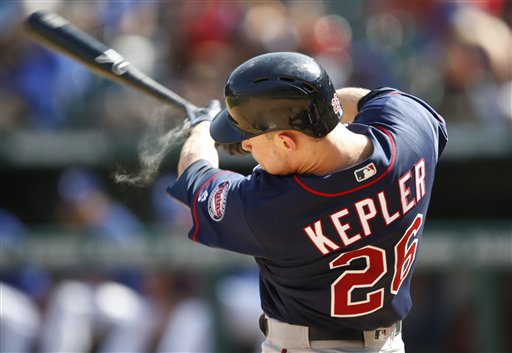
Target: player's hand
point(206, 113)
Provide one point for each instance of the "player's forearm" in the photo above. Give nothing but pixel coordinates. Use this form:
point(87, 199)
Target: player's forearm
point(349, 96)
point(199, 145)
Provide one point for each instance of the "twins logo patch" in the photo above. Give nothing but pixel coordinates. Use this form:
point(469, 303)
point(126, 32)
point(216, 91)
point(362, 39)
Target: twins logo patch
point(217, 201)
point(365, 173)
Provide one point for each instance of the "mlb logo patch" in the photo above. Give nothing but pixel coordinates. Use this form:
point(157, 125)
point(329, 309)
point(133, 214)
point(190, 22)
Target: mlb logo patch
point(217, 201)
point(365, 173)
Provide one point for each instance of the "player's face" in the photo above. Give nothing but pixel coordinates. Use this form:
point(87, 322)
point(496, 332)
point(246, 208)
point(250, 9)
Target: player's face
point(265, 150)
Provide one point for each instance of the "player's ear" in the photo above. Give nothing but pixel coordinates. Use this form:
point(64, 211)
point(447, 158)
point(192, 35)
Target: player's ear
point(287, 140)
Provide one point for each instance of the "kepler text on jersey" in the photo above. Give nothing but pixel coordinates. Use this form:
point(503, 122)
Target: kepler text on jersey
point(410, 189)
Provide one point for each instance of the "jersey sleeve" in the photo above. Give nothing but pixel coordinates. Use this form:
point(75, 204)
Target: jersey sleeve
point(390, 107)
point(216, 200)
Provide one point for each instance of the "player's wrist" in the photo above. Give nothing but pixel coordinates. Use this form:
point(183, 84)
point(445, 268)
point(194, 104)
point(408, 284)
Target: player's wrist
point(201, 131)
point(206, 113)
point(202, 127)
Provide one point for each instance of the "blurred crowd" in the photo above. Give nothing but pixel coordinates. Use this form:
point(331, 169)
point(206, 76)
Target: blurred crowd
point(456, 55)
point(121, 307)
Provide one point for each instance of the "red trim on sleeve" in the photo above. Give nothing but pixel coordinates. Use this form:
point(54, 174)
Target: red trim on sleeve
point(393, 157)
point(194, 209)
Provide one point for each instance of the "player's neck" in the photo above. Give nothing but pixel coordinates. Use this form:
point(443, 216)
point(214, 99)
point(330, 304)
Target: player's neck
point(340, 150)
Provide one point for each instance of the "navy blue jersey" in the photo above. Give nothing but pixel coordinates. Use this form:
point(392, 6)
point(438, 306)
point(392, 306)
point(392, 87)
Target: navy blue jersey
point(334, 250)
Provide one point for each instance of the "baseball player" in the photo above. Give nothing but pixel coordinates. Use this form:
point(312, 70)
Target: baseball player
point(333, 213)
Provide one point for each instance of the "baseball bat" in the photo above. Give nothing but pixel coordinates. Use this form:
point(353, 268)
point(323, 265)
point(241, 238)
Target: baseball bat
point(57, 33)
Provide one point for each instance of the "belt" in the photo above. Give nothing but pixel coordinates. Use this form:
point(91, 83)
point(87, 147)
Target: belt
point(322, 334)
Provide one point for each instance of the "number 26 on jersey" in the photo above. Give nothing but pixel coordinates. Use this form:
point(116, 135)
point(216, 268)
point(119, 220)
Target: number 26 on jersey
point(342, 303)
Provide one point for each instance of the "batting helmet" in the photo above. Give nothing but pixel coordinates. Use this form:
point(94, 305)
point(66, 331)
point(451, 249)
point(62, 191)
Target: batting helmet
point(277, 91)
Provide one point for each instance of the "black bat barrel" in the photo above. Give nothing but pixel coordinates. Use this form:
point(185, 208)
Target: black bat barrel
point(63, 36)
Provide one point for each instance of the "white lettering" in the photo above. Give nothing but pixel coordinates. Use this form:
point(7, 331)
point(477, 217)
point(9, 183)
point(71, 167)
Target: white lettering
point(364, 217)
point(110, 56)
point(384, 207)
point(53, 20)
point(342, 228)
point(405, 191)
point(324, 244)
point(419, 173)
point(412, 187)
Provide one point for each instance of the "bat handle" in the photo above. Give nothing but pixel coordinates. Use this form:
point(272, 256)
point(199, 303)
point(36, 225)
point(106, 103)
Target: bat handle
point(157, 90)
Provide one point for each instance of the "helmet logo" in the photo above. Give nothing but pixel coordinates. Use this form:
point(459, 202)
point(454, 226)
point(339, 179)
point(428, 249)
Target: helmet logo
point(217, 201)
point(336, 105)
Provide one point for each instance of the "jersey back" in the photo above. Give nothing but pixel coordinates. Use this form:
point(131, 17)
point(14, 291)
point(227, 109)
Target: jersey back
point(336, 250)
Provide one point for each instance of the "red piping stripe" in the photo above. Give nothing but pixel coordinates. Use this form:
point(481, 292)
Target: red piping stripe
point(319, 193)
point(194, 213)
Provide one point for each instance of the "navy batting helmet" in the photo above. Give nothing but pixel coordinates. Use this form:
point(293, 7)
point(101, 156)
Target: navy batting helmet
point(277, 91)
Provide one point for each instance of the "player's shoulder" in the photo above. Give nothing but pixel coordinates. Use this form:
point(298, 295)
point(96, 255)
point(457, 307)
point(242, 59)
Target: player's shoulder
point(392, 107)
point(387, 101)
point(395, 102)
point(374, 94)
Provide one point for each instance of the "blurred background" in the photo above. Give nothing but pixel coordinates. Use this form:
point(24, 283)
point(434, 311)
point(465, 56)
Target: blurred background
point(88, 265)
